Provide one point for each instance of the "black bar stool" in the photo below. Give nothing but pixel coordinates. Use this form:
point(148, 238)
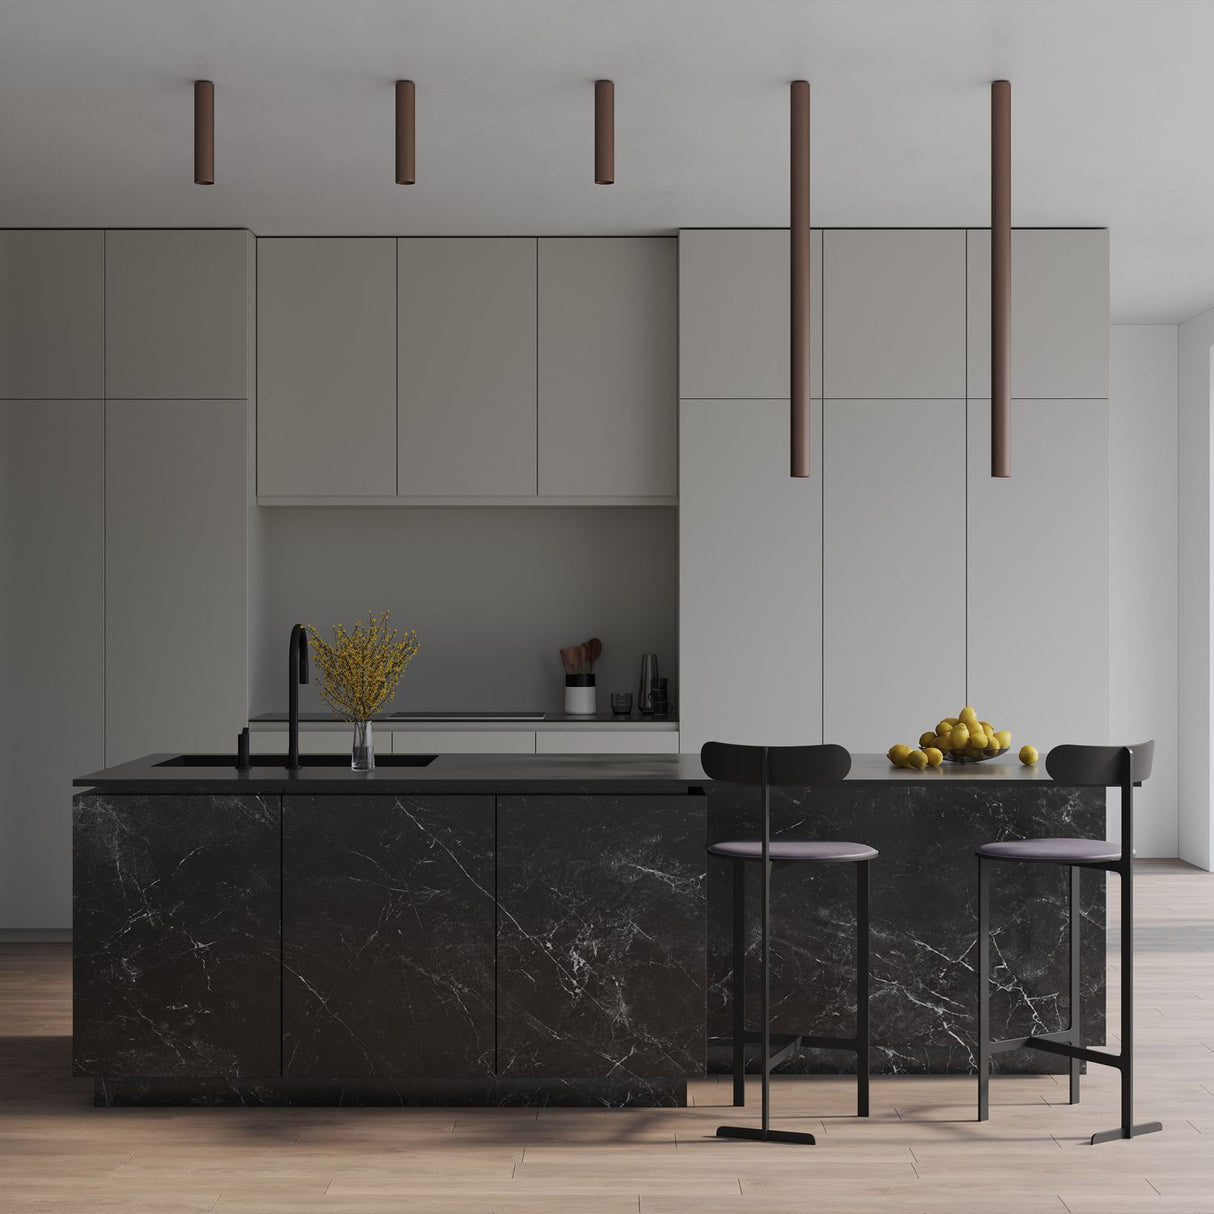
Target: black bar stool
point(785, 765)
point(1100, 767)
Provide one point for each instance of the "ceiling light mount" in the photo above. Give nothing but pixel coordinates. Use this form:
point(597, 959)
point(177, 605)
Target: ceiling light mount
point(604, 132)
point(204, 132)
point(406, 134)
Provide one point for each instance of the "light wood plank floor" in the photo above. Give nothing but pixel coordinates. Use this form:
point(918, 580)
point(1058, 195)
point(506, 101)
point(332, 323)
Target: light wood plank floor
point(920, 1151)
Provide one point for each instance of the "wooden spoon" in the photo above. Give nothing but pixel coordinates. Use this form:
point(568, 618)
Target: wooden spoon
point(594, 648)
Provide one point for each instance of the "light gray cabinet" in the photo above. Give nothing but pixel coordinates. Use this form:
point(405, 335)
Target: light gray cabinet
point(608, 395)
point(176, 576)
point(52, 315)
point(466, 354)
point(52, 547)
point(894, 314)
point(177, 314)
point(734, 313)
point(894, 607)
point(1060, 313)
point(750, 581)
point(1038, 554)
point(326, 407)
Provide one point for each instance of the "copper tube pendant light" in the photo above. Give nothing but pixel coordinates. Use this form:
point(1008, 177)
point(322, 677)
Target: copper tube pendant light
point(406, 141)
point(204, 132)
point(1001, 278)
point(799, 387)
point(604, 132)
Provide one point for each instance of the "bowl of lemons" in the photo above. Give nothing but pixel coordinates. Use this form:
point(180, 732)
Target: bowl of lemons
point(964, 738)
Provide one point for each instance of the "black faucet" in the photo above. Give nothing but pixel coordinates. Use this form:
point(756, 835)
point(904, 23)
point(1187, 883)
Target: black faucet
point(297, 672)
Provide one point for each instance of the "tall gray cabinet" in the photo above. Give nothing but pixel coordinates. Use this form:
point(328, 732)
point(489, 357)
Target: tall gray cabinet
point(901, 580)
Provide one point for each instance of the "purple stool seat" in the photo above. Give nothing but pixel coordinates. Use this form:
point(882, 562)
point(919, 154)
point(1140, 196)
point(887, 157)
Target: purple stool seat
point(814, 850)
point(1053, 851)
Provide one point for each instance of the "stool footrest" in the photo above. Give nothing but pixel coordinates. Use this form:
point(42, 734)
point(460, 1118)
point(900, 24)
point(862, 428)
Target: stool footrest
point(1050, 1046)
point(1023, 1043)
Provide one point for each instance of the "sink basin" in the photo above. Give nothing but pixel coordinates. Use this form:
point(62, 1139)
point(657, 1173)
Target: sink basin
point(304, 760)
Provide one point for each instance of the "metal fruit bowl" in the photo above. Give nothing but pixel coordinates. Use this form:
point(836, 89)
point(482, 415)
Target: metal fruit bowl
point(964, 756)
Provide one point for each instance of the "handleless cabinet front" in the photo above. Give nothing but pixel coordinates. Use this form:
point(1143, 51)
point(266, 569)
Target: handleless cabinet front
point(326, 369)
point(387, 936)
point(601, 936)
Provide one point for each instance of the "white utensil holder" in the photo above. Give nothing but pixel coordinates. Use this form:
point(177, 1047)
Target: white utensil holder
point(581, 699)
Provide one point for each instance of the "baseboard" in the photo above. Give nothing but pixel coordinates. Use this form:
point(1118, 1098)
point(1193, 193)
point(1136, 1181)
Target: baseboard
point(35, 935)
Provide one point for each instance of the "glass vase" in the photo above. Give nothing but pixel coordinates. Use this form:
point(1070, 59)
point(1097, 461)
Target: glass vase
point(362, 757)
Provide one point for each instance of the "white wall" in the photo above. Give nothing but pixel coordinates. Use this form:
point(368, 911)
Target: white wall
point(1197, 754)
point(1143, 514)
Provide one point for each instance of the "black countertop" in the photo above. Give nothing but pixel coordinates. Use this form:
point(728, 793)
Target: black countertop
point(506, 773)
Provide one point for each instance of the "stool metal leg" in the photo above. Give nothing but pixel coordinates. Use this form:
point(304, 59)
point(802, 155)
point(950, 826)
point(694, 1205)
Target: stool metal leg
point(862, 1029)
point(765, 1133)
point(739, 982)
point(1075, 1019)
point(984, 992)
point(1127, 1129)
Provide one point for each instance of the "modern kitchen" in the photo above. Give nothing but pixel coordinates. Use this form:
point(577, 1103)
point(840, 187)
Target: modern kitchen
point(569, 644)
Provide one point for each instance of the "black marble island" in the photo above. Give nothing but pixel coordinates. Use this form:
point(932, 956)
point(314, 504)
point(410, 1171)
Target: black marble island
point(532, 928)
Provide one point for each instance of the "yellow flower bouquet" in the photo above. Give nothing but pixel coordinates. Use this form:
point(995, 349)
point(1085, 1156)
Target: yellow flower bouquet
point(360, 670)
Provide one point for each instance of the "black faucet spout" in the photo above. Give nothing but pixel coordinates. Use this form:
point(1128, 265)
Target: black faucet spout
point(297, 673)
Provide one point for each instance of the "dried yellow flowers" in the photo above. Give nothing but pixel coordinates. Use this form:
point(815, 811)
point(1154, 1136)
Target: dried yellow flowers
point(360, 670)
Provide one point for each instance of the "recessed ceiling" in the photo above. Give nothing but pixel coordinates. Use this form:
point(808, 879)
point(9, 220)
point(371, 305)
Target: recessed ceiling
point(1113, 104)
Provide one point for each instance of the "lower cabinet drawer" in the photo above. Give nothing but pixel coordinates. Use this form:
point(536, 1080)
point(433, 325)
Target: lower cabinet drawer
point(462, 742)
point(607, 742)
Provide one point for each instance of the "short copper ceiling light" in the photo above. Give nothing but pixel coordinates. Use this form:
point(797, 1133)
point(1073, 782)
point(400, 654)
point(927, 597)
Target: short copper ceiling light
point(604, 132)
point(204, 132)
point(406, 138)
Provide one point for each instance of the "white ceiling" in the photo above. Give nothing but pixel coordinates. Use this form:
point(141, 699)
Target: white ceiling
point(1113, 114)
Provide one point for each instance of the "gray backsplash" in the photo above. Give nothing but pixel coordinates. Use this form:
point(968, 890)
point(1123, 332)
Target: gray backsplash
point(493, 593)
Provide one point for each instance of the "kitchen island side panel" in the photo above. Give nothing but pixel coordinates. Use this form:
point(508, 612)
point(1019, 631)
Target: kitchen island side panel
point(924, 922)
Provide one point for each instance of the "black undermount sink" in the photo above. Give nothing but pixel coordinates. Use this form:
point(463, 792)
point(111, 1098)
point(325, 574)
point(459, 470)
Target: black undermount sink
point(337, 760)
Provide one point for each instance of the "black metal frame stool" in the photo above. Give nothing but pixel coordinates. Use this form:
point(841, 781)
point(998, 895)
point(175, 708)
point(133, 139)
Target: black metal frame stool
point(1093, 766)
point(802, 766)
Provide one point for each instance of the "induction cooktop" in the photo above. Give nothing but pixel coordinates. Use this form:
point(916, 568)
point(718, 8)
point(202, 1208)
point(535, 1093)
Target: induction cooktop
point(466, 716)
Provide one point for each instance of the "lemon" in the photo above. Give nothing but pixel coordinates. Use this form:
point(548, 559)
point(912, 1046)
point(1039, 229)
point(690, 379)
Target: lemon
point(946, 726)
point(960, 737)
point(897, 755)
point(944, 741)
point(987, 728)
point(916, 759)
point(968, 718)
point(978, 740)
point(927, 739)
point(1028, 755)
point(934, 756)
point(1004, 738)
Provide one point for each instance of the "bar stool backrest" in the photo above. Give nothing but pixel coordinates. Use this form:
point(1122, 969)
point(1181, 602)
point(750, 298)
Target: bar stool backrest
point(732, 763)
point(1106, 767)
point(1102, 766)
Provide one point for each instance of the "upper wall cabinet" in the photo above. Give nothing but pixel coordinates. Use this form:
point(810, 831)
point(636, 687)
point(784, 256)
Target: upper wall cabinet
point(734, 313)
point(177, 314)
point(466, 358)
point(1060, 313)
point(52, 318)
point(894, 318)
point(326, 334)
point(608, 393)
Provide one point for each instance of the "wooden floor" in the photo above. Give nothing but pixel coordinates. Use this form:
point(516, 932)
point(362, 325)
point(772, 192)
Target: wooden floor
point(920, 1151)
